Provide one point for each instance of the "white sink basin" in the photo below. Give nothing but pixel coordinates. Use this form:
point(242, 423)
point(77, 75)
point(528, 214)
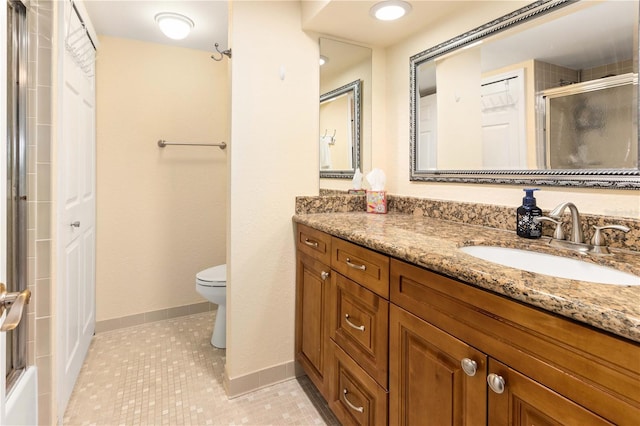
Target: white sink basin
point(548, 264)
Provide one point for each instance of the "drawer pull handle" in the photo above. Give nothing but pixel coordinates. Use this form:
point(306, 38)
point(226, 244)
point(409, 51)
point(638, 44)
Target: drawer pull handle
point(311, 243)
point(324, 275)
point(353, 407)
point(357, 327)
point(496, 383)
point(469, 366)
point(354, 266)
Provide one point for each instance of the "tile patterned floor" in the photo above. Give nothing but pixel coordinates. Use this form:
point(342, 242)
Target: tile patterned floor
point(167, 373)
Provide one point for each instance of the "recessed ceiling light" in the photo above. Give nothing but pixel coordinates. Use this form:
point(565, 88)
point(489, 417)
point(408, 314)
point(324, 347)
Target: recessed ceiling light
point(390, 10)
point(174, 25)
point(323, 60)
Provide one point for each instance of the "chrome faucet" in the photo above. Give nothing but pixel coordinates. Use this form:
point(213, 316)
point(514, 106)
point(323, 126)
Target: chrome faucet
point(577, 235)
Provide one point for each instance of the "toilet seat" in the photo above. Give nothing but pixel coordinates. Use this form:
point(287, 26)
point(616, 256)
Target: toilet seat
point(215, 276)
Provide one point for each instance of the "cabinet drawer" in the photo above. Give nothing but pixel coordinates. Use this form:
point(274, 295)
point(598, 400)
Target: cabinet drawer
point(359, 324)
point(314, 243)
point(362, 265)
point(355, 398)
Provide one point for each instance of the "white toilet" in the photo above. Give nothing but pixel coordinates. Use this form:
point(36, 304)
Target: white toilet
point(212, 285)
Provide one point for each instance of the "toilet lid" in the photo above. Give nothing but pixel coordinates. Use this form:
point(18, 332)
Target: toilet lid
point(214, 276)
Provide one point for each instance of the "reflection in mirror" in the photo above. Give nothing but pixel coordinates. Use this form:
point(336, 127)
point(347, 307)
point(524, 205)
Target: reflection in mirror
point(345, 108)
point(545, 95)
point(340, 128)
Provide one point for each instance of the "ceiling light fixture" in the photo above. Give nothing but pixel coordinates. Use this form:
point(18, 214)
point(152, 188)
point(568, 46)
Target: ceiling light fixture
point(174, 25)
point(390, 10)
point(323, 60)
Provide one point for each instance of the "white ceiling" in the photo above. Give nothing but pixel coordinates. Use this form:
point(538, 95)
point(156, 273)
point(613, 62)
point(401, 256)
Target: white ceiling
point(347, 19)
point(351, 20)
point(135, 20)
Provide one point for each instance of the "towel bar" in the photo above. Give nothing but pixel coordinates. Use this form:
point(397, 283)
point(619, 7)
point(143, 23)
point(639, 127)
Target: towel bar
point(162, 143)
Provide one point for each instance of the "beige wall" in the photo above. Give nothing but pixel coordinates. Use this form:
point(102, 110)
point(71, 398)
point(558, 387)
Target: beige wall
point(161, 212)
point(393, 155)
point(273, 157)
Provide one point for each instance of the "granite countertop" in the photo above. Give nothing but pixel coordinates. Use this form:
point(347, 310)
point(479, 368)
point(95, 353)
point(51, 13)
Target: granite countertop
point(433, 244)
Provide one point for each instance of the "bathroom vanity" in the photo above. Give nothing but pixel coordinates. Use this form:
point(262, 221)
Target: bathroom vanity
point(396, 325)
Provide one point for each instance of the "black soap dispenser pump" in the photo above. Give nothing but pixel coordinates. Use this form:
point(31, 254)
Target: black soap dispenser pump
point(526, 226)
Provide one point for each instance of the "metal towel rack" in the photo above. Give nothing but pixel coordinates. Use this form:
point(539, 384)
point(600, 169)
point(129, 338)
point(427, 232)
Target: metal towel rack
point(162, 143)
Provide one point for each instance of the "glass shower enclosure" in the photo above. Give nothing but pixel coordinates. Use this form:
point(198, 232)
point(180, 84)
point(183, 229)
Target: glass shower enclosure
point(16, 179)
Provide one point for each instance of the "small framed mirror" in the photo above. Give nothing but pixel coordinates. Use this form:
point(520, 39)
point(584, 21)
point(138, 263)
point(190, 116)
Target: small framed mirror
point(340, 131)
point(345, 111)
point(546, 95)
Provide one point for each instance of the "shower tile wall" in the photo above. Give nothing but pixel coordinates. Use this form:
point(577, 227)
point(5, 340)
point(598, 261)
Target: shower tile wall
point(39, 277)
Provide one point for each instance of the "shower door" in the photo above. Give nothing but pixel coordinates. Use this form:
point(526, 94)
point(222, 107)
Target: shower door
point(16, 279)
point(18, 392)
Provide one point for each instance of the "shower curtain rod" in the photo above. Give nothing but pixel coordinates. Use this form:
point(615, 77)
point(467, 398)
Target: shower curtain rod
point(162, 143)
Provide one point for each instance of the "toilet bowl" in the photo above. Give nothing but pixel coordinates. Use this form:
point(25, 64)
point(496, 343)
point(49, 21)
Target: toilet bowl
point(211, 284)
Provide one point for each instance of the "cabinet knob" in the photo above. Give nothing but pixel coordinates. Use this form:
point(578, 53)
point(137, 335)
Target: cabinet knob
point(469, 366)
point(496, 383)
point(324, 275)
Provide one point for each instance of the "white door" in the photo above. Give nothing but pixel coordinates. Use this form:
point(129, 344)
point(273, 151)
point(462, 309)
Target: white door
point(503, 122)
point(427, 151)
point(75, 188)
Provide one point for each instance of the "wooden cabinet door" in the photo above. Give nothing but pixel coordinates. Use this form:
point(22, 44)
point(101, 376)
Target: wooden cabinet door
point(521, 401)
point(427, 384)
point(312, 283)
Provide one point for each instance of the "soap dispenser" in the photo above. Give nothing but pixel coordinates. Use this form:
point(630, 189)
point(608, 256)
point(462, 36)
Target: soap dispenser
point(526, 226)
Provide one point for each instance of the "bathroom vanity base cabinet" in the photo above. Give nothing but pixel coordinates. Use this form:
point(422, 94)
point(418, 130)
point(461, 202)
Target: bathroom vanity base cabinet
point(562, 371)
point(355, 398)
point(312, 294)
point(427, 385)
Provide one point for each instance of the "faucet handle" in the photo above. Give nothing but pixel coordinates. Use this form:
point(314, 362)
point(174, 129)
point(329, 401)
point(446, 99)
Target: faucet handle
point(598, 241)
point(558, 234)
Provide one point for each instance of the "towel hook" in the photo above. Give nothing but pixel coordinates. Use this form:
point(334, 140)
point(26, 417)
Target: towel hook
point(223, 53)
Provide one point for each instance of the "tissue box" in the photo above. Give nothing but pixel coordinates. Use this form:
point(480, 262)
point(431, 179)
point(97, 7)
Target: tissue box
point(376, 201)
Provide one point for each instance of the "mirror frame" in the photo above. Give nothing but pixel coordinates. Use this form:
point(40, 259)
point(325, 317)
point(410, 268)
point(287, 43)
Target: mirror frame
point(602, 178)
point(355, 87)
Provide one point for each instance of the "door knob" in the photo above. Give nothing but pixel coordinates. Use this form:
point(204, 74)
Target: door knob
point(15, 303)
point(75, 224)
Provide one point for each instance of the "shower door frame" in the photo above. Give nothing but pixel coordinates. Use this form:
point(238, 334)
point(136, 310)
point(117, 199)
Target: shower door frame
point(17, 185)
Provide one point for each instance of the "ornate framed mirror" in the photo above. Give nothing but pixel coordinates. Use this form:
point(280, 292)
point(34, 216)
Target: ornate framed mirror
point(546, 95)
